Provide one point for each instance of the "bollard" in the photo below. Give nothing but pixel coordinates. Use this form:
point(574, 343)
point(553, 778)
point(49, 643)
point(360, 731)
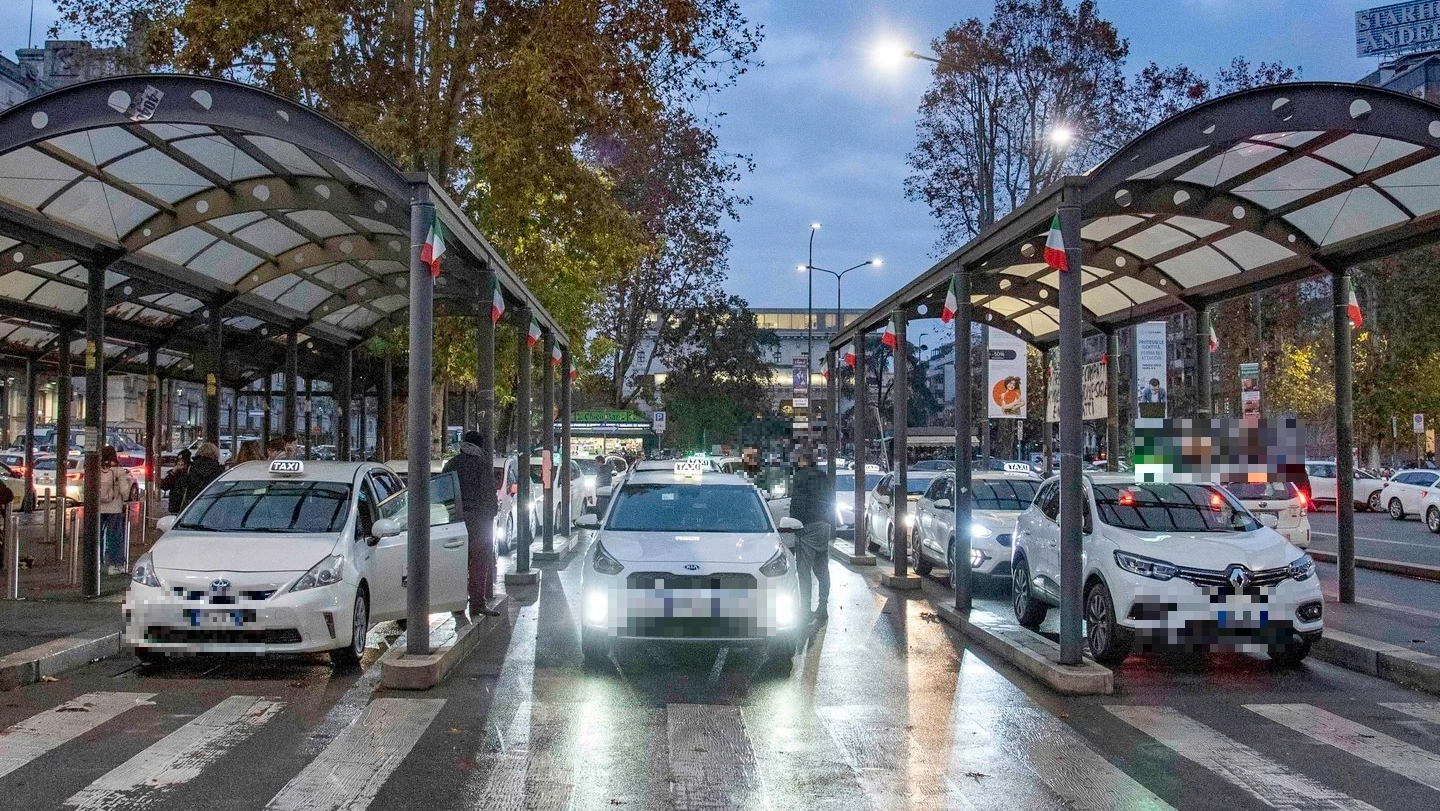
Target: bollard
point(60, 531)
point(12, 549)
point(45, 518)
point(75, 544)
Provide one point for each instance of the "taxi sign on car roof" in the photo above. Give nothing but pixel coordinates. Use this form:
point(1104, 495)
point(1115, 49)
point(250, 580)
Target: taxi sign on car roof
point(287, 467)
point(690, 467)
point(1017, 467)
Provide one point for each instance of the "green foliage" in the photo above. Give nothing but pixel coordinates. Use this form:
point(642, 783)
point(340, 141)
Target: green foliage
point(717, 380)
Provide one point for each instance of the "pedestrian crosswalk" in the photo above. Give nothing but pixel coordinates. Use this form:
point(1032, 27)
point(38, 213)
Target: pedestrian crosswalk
point(552, 755)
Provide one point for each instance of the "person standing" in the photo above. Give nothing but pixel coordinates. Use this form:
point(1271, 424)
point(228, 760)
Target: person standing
point(475, 468)
point(204, 467)
point(174, 482)
point(812, 503)
point(115, 487)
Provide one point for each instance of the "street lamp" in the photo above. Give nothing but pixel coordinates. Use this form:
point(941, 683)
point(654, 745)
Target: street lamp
point(839, 276)
point(810, 306)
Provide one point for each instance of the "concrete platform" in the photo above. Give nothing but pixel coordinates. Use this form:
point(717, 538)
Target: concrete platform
point(529, 578)
point(1380, 659)
point(450, 643)
point(1030, 652)
point(58, 655)
point(844, 551)
point(562, 546)
point(910, 582)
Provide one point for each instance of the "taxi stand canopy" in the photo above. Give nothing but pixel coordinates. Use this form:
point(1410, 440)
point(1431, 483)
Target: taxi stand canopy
point(1259, 188)
point(214, 229)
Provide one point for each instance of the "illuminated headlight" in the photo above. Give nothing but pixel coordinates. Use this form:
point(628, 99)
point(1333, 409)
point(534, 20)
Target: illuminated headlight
point(589, 482)
point(909, 520)
point(784, 610)
point(1301, 568)
point(980, 531)
point(604, 564)
point(597, 607)
point(977, 558)
point(1145, 567)
point(144, 572)
point(324, 573)
point(778, 564)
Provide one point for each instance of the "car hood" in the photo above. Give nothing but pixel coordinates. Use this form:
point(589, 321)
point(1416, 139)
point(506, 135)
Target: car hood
point(998, 520)
point(704, 547)
point(240, 551)
point(1262, 549)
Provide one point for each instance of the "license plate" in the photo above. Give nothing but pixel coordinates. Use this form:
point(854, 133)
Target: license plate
point(225, 618)
point(692, 607)
point(1244, 619)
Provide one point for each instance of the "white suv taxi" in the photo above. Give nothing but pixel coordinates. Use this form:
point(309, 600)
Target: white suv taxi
point(1172, 564)
point(689, 555)
point(290, 557)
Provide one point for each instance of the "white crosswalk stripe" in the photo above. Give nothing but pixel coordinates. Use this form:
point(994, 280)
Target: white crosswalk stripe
point(179, 757)
point(1376, 747)
point(1266, 780)
point(1424, 710)
point(352, 769)
point(40, 733)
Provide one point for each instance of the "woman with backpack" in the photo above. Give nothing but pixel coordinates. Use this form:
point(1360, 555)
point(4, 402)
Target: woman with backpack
point(116, 488)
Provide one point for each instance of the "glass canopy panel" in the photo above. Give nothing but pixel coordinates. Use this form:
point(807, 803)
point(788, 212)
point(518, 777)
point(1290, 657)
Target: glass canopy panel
point(375, 226)
point(6, 243)
point(389, 304)
point(157, 174)
point(1200, 266)
point(1239, 158)
point(1290, 139)
point(1291, 181)
point(225, 262)
point(320, 223)
point(354, 318)
point(59, 296)
point(30, 336)
point(1006, 305)
point(1166, 165)
point(1103, 299)
point(305, 296)
point(1137, 290)
point(270, 237)
point(1038, 322)
point(1250, 250)
point(178, 302)
point(244, 323)
point(1361, 153)
point(276, 288)
point(1154, 240)
point(1105, 227)
point(18, 285)
point(180, 247)
point(97, 146)
point(1345, 215)
point(221, 157)
point(354, 174)
point(99, 208)
point(287, 155)
point(340, 276)
point(170, 132)
point(1194, 225)
point(1416, 187)
point(29, 178)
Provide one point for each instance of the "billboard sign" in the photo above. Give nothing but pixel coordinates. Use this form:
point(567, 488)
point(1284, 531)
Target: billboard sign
point(1249, 389)
point(1095, 393)
point(1006, 376)
point(1399, 28)
point(1152, 395)
point(800, 376)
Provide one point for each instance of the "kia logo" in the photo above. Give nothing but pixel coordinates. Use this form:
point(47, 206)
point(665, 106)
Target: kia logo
point(692, 567)
point(1239, 577)
point(220, 584)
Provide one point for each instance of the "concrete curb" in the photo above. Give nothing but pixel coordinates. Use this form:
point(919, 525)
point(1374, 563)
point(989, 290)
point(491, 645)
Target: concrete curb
point(1392, 663)
point(1415, 570)
point(909, 582)
point(58, 655)
point(1030, 652)
point(845, 554)
point(561, 547)
point(401, 672)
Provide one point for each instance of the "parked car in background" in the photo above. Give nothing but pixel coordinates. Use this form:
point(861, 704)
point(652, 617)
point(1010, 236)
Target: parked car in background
point(997, 499)
point(878, 515)
point(934, 464)
point(23, 498)
point(1403, 494)
point(1367, 494)
point(1280, 499)
point(45, 478)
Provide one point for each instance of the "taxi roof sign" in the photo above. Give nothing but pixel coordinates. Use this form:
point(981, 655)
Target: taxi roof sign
point(690, 467)
point(287, 467)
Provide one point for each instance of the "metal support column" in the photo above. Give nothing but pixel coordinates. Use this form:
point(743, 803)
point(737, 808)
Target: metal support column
point(1112, 417)
point(900, 421)
point(267, 424)
point(212, 375)
point(362, 432)
point(422, 335)
point(385, 412)
point(1344, 438)
point(94, 428)
point(309, 414)
point(566, 403)
point(1072, 491)
point(152, 425)
point(964, 392)
point(344, 404)
point(1204, 402)
point(1048, 437)
point(63, 396)
point(547, 441)
point(485, 383)
point(289, 422)
point(857, 428)
point(31, 397)
point(832, 411)
point(234, 421)
point(984, 415)
point(522, 443)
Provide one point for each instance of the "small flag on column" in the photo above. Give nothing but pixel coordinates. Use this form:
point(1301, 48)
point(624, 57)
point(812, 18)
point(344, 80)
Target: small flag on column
point(825, 369)
point(533, 336)
point(952, 304)
point(1352, 309)
point(888, 336)
point(497, 304)
point(1214, 340)
point(434, 247)
point(573, 373)
point(850, 355)
point(1055, 246)
point(555, 355)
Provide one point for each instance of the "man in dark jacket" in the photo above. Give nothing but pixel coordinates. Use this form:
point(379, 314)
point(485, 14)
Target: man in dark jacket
point(475, 467)
point(203, 470)
point(174, 482)
point(812, 503)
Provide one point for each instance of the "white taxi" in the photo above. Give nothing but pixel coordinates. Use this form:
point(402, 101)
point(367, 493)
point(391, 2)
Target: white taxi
point(1280, 499)
point(290, 557)
point(1170, 564)
point(997, 499)
point(689, 555)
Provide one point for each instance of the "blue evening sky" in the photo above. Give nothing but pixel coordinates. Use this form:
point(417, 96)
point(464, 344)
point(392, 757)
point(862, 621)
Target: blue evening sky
point(829, 130)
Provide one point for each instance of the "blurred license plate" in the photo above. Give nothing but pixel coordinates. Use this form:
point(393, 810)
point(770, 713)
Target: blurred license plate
point(1244, 619)
point(225, 617)
point(692, 607)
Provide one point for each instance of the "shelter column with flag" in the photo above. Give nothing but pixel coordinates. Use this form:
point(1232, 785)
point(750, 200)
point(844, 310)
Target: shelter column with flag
point(434, 247)
point(888, 336)
point(497, 303)
point(532, 336)
point(952, 304)
point(1206, 344)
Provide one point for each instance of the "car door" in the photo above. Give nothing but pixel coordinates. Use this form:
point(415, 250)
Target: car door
point(1044, 540)
point(1322, 481)
point(942, 522)
point(449, 548)
point(878, 513)
point(1421, 483)
point(380, 561)
point(1399, 490)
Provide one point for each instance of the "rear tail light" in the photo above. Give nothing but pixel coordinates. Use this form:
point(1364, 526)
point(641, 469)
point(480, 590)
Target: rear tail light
point(1301, 495)
point(74, 476)
point(19, 470)
point(137, 472)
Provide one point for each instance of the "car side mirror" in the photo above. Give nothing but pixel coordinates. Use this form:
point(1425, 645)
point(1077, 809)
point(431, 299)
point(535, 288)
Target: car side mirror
point(943, 504)
point(587, 521)
point(788, 524)
point(1268, 520)
point(383, 528)
point(166, 523)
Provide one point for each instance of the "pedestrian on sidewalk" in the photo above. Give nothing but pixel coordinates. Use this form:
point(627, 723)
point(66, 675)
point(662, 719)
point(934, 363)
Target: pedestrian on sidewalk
point(276, 449)
point(475, 467)
point(115, 491)
point(812, 503)
point(173, 482)
point(250, 451)
point(204, 467)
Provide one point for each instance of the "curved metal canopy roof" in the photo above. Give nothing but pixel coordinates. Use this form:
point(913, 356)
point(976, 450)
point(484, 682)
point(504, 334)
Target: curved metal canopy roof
point(195, 192)
point(1250, 190)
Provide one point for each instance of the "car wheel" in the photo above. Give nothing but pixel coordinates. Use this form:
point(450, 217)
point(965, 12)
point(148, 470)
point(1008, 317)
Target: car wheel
point(950, 562)
point(1029, 612)
point(1373, 505)
point(509, 542)
point(1432, 520)
point(890, 541)
point(1291, 652)
point(922, 566)
point(594, 649)
point(1397, 511)
point(349, 655)
point(1109, 643)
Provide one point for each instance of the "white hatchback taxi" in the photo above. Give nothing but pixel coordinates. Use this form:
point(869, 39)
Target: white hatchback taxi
point(1172, 564)
point(290, 557)
point(997, 499)
point(689, 555)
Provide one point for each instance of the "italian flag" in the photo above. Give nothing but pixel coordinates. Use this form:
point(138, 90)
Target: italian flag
point(497, 303)
point(533, 336)
point(952, 304)
point(1055, 246)
point(1352, 309)
point(573, 373)
point(850, 355)
point(825, 369)
point(434, 247)
point(888, 336)
point(1214, 340)
point(555, 355)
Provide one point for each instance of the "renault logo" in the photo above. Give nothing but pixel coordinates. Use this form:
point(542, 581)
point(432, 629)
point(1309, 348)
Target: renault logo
point(1239, 577)
point(692, 567)
point(220, 585)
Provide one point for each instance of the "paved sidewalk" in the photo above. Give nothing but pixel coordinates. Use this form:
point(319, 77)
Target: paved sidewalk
point(26, 623)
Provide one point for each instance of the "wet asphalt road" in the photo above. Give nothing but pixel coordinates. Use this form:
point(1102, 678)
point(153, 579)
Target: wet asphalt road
point(1377, 535)
point(886, 709)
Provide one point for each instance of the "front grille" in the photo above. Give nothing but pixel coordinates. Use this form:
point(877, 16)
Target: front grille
point(1209, 578)
point(224, 636)
point(222, 599)
point(694, 628)
point(669, 580)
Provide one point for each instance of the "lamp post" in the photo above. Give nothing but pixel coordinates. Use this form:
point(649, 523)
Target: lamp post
point(808, 270)
point(810, 305)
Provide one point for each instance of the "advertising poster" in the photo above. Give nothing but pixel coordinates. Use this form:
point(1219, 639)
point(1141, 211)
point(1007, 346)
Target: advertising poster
point(1249, 389)
point(1152, 398)
point(1006, 376)
point(1094, 384)
point(1052, 389)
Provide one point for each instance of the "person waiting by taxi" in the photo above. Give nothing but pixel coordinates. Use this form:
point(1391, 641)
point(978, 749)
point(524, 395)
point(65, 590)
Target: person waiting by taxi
point(276, 449)
point(474, 466)
point(172, 482)
point(604, 476)
point(204, 467)
point(812, 503)
point(115, 487)
point(250, 451)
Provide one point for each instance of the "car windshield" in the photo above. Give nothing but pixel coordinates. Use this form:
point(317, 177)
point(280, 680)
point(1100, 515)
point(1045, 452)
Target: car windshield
point(269, 506)
point(589, 467)
point(1004, 494)
point(1171, 508)
point(674, 507)
point(1256, 491)
point(845, 482)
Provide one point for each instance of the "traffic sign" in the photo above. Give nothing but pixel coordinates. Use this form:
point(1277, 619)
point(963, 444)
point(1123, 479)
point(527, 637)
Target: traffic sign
point(1419, 423)
point(659, 420)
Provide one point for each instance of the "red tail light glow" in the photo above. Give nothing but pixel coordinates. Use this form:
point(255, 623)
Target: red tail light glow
point(74, 476)
point(1300, 494)
point(1215, 501)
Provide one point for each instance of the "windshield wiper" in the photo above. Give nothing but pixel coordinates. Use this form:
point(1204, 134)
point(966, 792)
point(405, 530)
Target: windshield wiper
point(194, 526)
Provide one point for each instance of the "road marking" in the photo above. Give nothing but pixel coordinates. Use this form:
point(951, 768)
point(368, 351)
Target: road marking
point(40, 733)
point(178, 757)
point(1237, 764)
point(1371, 745)
point(712, 764)
point(348, 774)
point(1377, 540)
point(1425, 711)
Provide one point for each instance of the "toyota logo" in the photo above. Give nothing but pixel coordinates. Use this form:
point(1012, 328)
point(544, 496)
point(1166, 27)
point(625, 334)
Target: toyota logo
point(1239, 577)
point(692, 567)
point(220, 585)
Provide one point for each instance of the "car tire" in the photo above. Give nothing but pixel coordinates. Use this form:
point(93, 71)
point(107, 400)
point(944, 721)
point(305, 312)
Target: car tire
point(1373, 504)
point(1291, 652)
point(1397, 510)
point(1432, 519)
point(1029, 611)
point(922, 566)
point(349, 656)
point(889, 541)
point(950, 562)
point(508, 542)
point(594, 649)
point(1109, 642)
